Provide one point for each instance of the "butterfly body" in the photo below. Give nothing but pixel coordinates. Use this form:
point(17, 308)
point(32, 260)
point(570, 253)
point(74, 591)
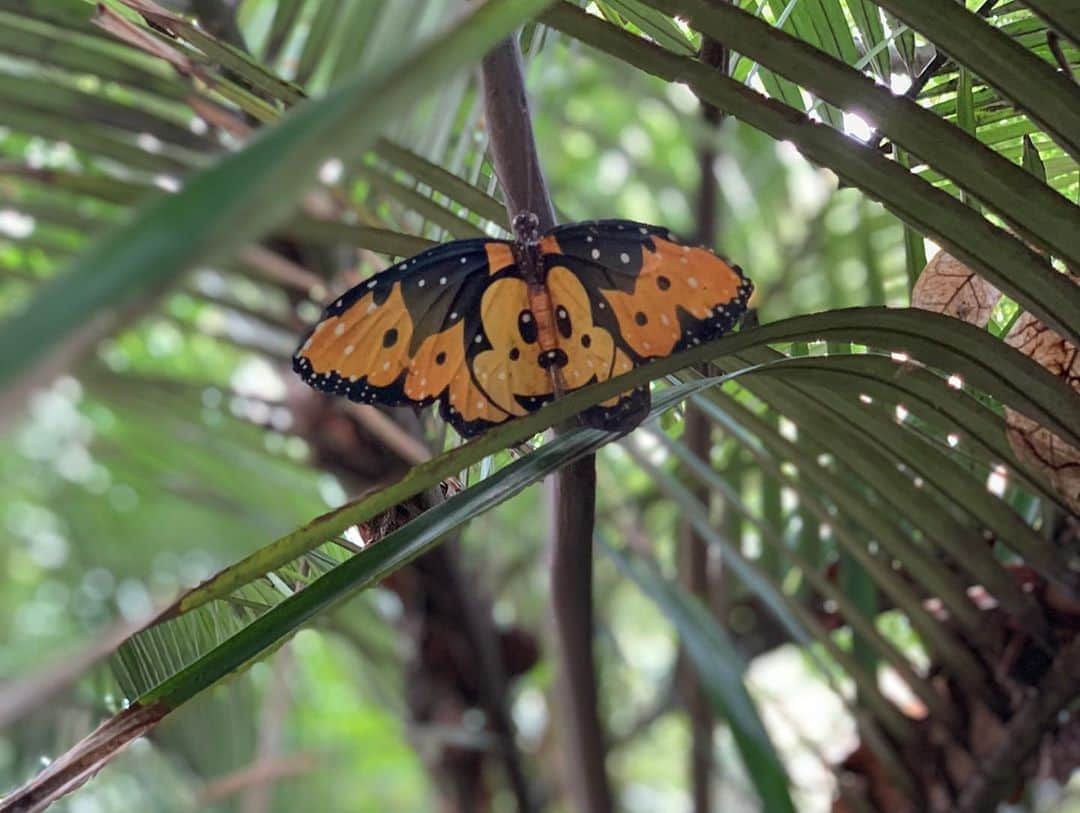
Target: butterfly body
point(494, 329)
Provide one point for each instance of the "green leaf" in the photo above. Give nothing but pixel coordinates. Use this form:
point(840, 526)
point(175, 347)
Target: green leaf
point(245, 193)
point(658, 26)
point(1032, 161)
point(1062, 15)
point(965, 116)
point(933, 399)
point(86, 52)
point(229, 57)
point(1048, 96)
point(854, 521)
point(286, 14)
point(991, 178)
point(334, 232)
point(861, 622)
point(833, 28)
point(796, 619)
point(317, 43)
point(721, 672)
point(999, 257)
point(455, 188)
point(867, 18)
point(965, 104)
point(826, 419)
point(271, 627)
point(420, 203)
point(940, 341)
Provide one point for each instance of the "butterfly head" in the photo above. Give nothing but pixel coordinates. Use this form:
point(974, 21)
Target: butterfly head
point(527, 228)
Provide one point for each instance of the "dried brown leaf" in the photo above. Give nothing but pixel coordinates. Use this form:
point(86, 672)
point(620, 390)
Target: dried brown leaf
point(948, 286)
point(126, 31)
point(1034, 445)
point(148, 7)
point(79, 764)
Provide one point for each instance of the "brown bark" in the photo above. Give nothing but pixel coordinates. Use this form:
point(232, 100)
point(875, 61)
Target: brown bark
point(573, 496)
point(694, 554)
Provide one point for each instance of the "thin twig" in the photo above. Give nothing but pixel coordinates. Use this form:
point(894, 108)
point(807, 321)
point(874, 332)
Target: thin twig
point(259, 772)
point(392, 435)
point(574, 488)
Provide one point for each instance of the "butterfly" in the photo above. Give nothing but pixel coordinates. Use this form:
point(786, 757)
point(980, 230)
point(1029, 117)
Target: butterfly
point(495, 329)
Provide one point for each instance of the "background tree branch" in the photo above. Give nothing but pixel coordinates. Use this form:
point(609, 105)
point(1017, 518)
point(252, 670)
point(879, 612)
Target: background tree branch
point(694, 553)
point(573, 494)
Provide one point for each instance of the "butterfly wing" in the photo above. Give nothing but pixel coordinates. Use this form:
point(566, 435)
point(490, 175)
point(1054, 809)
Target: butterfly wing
point(653, 295)
point(457, 324)
point(431, 328)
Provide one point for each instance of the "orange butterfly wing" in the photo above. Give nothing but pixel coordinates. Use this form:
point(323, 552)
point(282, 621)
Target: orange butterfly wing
point(652, 295)
point(430, 329)
point(459, 324)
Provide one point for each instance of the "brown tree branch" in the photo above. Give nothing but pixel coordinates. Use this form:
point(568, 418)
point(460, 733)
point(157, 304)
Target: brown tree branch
point(492, 680)
point(1028, 727)
point(574, 493)
point(694, 553)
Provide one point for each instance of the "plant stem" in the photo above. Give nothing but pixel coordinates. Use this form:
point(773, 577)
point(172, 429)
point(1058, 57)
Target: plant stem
point(694, 559)
point(574, 494)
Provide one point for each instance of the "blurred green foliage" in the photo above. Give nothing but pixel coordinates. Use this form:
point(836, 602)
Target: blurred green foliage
point(170, 453)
